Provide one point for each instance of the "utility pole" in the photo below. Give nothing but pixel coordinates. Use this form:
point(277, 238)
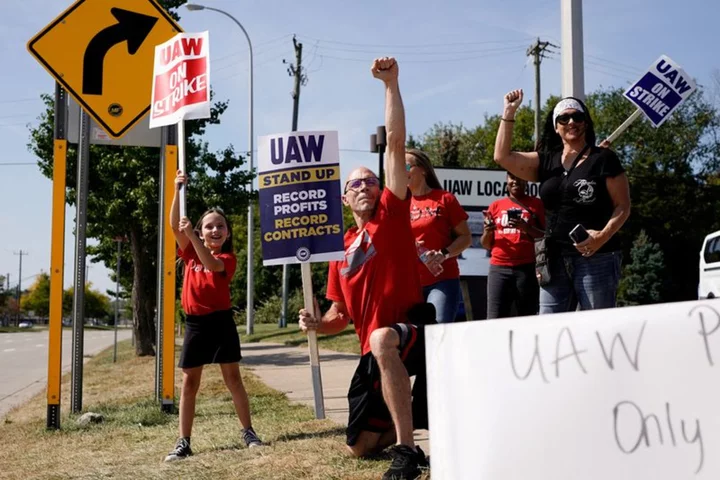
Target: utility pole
point(572, 56)
point(536, 50)
point(295, 71)
point(19, 288)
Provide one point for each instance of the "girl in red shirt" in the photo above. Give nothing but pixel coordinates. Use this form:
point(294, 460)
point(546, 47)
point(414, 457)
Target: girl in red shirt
point(439, 225)
point(210, 334)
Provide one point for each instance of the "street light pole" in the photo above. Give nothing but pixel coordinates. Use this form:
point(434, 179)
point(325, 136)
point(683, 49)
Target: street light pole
point(378, 142)
point(251, 243)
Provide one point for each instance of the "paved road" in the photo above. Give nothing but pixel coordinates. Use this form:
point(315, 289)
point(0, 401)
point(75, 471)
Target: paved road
point(23, 361)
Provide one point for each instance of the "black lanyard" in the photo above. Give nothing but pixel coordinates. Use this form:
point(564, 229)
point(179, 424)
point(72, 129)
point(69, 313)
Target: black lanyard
point(566, 174)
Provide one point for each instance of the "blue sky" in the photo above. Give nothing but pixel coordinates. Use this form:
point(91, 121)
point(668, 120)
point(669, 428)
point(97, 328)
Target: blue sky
point(456, 63)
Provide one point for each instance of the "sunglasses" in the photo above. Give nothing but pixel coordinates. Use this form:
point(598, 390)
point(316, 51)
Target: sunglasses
point(409, 167)
point(577, 117)
point(356, 183)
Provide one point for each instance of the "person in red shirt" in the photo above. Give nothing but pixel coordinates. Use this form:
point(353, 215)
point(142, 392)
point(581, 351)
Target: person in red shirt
point(511, 226)
point(377, 286)
point(210, 333)
point(440, 227)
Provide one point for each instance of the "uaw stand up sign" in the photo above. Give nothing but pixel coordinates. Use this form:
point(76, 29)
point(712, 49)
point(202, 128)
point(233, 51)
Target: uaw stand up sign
point(301, 213)
point(300, 204)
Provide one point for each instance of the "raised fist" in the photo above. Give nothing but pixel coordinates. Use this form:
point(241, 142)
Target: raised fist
point(385, 69)
point(513, 100)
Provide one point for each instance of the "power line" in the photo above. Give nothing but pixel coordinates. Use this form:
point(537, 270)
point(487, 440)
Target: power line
point(415, 53)
point(419, 45)
point(445, 60)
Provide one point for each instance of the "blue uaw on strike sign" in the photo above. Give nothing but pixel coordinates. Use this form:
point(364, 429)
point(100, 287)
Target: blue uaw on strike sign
point(300, 198)
point(661, 90)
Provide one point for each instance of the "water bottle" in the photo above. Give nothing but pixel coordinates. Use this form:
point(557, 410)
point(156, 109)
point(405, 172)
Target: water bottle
point(437, 269)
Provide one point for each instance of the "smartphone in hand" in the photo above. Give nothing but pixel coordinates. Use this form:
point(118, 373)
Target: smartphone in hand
point(579, 234)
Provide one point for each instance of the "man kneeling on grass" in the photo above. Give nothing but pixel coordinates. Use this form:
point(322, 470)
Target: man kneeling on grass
point(377, 286)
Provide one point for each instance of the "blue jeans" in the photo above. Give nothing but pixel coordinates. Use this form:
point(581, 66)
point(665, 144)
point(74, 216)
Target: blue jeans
point(590, 282)
point(445, 296)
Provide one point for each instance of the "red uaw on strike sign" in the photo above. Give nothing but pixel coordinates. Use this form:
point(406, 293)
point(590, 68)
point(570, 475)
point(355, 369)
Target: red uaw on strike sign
point(181, 80)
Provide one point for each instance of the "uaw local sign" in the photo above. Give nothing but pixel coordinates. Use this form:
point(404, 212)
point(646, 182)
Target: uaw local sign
point(620, 394)
point(661, 90)
point(300, 198)
point(181, 80)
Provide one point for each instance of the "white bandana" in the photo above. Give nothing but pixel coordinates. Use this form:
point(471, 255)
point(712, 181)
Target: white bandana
point(565, 104)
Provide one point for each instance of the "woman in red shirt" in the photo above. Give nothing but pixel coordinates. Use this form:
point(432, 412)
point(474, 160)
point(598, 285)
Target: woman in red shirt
point(210, 334)
point(440, 227)
point(511, 226)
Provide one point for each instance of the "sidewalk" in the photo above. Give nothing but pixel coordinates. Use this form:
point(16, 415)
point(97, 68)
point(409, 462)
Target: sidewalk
point(287, 369)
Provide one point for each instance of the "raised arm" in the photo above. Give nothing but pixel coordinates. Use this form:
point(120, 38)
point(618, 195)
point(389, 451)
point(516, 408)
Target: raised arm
point(386, 69)
point(180, 237)
point(522, 165)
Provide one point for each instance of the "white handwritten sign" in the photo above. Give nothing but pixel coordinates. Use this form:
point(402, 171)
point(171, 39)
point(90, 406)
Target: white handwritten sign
point(629, 393)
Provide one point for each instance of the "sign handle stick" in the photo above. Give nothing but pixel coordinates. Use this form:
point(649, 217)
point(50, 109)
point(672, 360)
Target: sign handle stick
point(312, 343)
point(636, 114)
point(181, 165)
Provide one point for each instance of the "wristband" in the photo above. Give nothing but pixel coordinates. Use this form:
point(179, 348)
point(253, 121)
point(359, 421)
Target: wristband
point(445, 252)
point(507, 120)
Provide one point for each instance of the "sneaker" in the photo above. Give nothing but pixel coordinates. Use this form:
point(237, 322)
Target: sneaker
point(407, 464)
point(182, 450)
point(250, 438)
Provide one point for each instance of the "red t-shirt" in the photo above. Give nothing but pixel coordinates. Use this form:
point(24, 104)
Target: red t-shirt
point(512, 247)
point(204, 291)
point(433, 218)
point(378, 280)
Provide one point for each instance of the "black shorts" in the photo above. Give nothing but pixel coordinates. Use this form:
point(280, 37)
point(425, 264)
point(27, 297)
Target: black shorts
point(368, 411)
point(211, 338)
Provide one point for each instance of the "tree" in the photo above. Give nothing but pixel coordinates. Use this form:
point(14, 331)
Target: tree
point(97, 305)
point(4, 300)
point(123, 200)
point(642, 280)
point(37, 298)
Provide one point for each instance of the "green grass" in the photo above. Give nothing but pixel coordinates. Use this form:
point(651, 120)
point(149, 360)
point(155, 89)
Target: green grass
point(345, 341)
point(135, 435)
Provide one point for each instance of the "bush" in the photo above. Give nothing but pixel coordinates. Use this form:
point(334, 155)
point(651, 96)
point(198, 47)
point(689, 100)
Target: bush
point(271, 309)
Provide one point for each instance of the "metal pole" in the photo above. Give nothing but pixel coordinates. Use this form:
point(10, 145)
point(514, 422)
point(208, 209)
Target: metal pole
point(117, 297)
point(161, 261)
point(80, 245)
point(573, 73)
point(297, 71)
point(251, 220)
point(57, 263)
point(537, 97)
point(381, 139)
point(18, 292)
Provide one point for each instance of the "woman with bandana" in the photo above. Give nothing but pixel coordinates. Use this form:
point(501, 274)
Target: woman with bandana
point(587, 200)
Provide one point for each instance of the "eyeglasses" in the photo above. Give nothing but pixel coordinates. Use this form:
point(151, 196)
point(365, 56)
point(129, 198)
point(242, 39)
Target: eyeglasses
point(577, 117)
point(356, 183)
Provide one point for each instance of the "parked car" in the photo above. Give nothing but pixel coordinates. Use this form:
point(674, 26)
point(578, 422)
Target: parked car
point(709, 286)
point(25, 325)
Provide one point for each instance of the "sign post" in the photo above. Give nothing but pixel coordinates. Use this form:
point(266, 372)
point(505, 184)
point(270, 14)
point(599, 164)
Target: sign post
point(657, 94)
point(57, 260)
point(301, 213)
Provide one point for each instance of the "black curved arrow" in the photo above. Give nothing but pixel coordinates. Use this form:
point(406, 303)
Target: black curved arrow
point(132, 27)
